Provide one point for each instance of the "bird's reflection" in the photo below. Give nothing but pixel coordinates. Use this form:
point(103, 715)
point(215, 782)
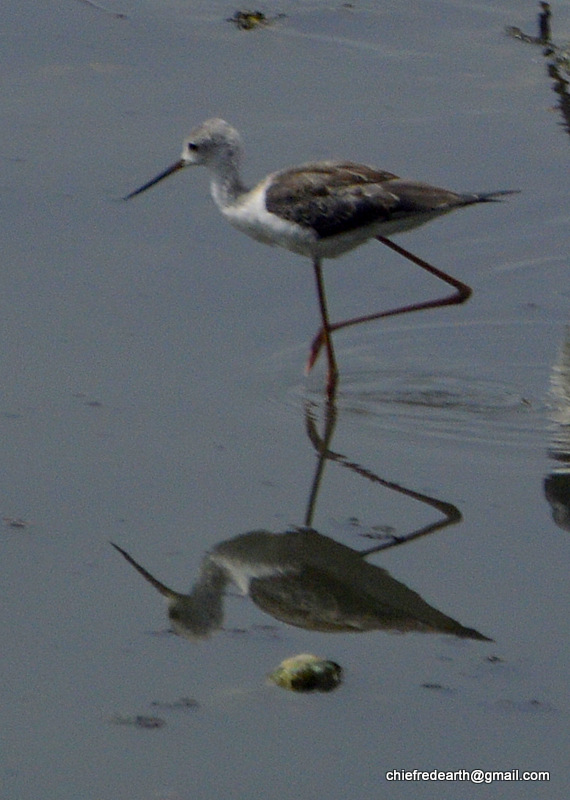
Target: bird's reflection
point(309, 580)
point(304, 579)
point(557, 483)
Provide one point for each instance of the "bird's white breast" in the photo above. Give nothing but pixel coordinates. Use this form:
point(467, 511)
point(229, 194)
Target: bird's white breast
point(249, 215)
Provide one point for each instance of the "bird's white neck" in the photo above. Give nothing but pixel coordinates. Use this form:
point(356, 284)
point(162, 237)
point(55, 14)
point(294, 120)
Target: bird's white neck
point(226, 185)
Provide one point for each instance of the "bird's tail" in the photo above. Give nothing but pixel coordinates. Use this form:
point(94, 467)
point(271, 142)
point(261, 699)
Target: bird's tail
point(490, 197)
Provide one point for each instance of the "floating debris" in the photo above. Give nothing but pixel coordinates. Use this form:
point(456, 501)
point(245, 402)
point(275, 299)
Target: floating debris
point(15, 522)
point(139, 721)
point(183, 703)
point(307, 673)
point(439, 687)
point(248, 20)
point(86, 401)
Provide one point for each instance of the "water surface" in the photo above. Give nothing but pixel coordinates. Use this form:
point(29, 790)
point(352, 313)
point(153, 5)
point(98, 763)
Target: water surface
point(153, 395)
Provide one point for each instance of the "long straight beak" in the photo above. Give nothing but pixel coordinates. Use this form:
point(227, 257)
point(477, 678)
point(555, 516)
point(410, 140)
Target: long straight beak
point(172, 168)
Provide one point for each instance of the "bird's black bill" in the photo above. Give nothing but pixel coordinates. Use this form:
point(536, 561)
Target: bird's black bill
point(172, 168)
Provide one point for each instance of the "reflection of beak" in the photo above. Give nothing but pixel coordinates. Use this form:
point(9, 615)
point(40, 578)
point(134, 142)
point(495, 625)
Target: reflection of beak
point(164, 590)
point(172, 168)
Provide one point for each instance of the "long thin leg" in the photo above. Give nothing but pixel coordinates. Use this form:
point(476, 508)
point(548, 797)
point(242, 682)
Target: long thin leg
point(462, 293)
point(325, 332)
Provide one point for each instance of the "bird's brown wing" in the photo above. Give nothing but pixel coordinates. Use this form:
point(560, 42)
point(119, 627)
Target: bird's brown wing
point(333, 198)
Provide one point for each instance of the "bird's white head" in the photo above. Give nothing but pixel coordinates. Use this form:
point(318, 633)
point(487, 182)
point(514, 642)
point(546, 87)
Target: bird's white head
point(212, 144)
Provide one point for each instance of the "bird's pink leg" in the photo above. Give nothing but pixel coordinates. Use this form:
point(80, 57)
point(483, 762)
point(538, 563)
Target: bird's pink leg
point(326, 339)
point(462, 293)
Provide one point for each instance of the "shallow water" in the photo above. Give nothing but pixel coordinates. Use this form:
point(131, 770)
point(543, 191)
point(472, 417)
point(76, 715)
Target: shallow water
point(154, 396)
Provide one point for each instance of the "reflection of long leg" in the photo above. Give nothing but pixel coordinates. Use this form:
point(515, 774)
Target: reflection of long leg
point(462, 293)
point(326, 339)
point(451, 514)
point(321, 445)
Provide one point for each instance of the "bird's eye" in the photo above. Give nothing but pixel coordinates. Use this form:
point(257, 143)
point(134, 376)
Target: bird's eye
point(192, 146)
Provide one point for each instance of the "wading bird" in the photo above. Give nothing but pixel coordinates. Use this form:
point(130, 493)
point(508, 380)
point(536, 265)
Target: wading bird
point(321, 210)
